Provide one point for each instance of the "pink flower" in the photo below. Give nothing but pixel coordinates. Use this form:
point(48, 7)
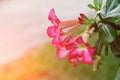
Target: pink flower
point(53, 18)
point(76, 48)
point(62, 52)
point(80, 52)
point(54, 31)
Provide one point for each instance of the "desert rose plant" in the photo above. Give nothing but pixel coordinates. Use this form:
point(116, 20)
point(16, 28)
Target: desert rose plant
point(72, 37)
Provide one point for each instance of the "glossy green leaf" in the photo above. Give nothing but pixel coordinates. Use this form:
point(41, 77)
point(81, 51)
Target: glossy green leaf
point(115, 20)
point(115, 47)
point(111, 11)
point(107, 33)
point(98, 4)
point(111, 4)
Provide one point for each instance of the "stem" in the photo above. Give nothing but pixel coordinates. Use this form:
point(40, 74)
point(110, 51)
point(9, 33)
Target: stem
point(99, 47)
point(95, 26)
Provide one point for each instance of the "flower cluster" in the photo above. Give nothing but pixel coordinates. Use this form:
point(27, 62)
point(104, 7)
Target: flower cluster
point(76, 48)
point(72, 38)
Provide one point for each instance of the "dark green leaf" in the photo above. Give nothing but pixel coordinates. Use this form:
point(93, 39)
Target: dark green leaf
point(107, 33)
point(115, 47)
point(111, 11)
point(115, 20)
point(98, 4)
point(111, 4)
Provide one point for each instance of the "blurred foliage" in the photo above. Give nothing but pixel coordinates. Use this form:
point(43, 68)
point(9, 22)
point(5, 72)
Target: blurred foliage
point(48, 60)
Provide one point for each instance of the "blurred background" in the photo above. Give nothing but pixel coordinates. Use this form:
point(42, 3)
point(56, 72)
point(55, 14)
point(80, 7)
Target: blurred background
point(25, 49)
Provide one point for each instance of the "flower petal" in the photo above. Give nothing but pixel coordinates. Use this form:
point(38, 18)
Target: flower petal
point(87, 58)
point(74, 61)
point(56, 41)
point(52, 31)
point(80, 40)
point(75, 56)
point(75, 52)
point(53, 18)
point(62, 52)
point(91, 50)
point(70, 43)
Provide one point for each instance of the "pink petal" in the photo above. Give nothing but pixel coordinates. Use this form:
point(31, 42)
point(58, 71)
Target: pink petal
point(71, 46)
point(70, 43)
point(75, 56)
point(53, 18)
point(62, 52)
point(75, 52)
point(80, 40)
point(87, 58)
point(56, 40)
point(91, 50)
point(52, 31)
point(74, 61)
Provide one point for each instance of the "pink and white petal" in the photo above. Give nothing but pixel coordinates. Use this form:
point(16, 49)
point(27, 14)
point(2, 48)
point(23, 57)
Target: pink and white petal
point(75, 52)
point(53, 18)
point(52, 31)
point(70, 43)
point(87, 58)
point(62, 52)
point(62, 36)
point(56, 41)
point(91, 50)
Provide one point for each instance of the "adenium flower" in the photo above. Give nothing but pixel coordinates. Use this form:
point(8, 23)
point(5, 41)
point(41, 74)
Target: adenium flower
point(77, 51)
point(56, 31)
point(80, 52)
point(62, 51)
point(76, 48)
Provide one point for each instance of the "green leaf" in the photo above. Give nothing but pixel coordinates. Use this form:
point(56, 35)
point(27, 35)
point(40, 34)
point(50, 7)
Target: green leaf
point(107, 33)
point(115, 47)
point(114, 13)
point(111, 11)
point(115, 20)
point(91, 6)
point(98, 4)
point(111, 4)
